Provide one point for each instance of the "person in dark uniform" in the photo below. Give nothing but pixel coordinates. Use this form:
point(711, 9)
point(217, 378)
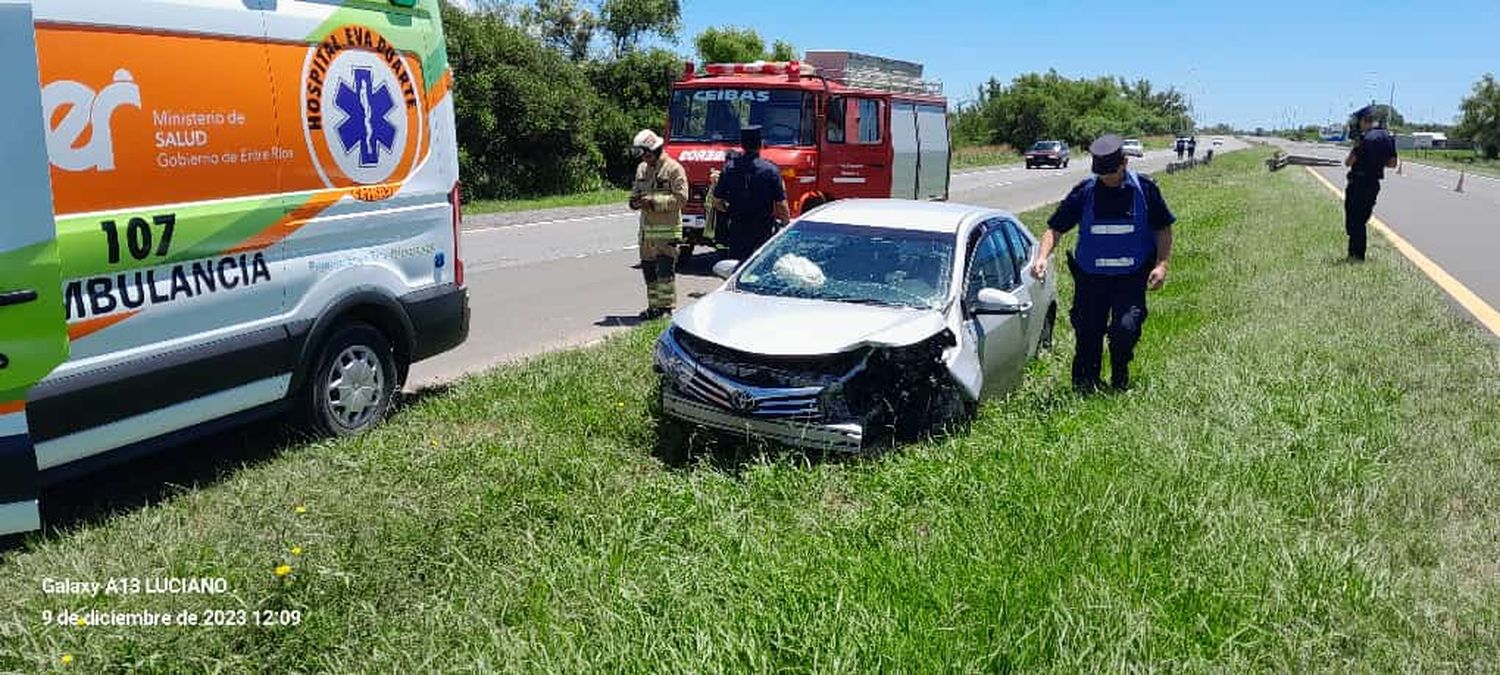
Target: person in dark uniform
point(1372, 154)
point(751, 190)
point(1192, 146)
point(1124, 246)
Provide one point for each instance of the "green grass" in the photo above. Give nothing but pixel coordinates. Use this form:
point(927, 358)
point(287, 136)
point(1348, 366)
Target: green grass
point(595, 198)
point(1454, 159)
point(984, 155)
point(1305, 478)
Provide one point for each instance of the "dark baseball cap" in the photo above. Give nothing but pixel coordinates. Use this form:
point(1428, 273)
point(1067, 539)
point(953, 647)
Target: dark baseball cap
point(750, 136)
point(1109, 154)
point(1367, 111)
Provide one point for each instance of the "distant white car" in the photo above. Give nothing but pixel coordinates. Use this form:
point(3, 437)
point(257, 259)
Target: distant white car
point(1218, 141)
point(1133, 147)
point(863, 319)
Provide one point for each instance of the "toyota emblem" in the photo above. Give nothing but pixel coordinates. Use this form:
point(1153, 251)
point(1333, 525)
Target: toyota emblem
point(743, 401)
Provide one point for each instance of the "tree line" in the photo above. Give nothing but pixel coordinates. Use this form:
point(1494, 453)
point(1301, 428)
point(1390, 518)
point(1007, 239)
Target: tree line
point(549, 93)
point(1048, 106)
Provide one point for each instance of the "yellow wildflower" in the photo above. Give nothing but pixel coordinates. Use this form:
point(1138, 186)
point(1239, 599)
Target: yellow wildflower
point(283, 570)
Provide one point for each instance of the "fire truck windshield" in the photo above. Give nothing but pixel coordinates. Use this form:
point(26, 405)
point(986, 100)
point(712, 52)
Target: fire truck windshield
point(716, 115)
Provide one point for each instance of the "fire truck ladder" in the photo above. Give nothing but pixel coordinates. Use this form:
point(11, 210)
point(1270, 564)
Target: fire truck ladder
point(883, 80)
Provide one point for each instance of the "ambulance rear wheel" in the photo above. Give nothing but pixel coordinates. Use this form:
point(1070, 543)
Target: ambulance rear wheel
point(353, 380)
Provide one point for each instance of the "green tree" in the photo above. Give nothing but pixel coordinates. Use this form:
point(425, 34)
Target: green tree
point(782, 51)
point(729, 44)
point(562, 25)
point(637, 88)
point(1037, 106)
point(1480, 117)
point(525, 113)
point(627, 21)
point(1391, 116)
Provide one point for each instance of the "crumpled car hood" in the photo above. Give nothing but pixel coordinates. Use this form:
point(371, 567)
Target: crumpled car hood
point(775, 326)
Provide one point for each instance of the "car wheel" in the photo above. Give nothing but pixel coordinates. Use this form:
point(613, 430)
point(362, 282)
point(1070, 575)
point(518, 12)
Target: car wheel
point(928, 411)
point(352, 382)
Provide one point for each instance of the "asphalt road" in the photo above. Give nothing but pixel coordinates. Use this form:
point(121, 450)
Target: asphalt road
point(1458, 231)
point(543, 280)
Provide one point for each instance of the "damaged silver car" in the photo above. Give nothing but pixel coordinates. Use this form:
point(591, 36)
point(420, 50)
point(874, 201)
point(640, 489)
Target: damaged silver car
point(862, 320)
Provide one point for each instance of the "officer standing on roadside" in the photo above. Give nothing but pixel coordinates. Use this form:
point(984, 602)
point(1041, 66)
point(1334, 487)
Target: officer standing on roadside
point(1372, 154)
point(1192, 146)
point(751, 190)
point(1124, 246)
point(659, 191)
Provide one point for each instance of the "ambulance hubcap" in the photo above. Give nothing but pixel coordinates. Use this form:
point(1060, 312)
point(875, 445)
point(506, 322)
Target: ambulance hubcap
point(355, 386)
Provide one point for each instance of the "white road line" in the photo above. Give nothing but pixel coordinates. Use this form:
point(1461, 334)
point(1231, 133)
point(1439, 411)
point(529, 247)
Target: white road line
point(540, 223)
point(1444, 169)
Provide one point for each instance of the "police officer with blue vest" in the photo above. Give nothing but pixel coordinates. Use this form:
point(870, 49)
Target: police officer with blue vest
point(1124, 247)
point(751, 189)
point(1373, 153)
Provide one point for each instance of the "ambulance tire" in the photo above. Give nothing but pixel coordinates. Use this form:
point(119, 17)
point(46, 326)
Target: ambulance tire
point(352, 383)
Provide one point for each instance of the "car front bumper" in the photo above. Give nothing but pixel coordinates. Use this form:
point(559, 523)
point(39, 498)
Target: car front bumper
point(792, 415)
point(839, 437)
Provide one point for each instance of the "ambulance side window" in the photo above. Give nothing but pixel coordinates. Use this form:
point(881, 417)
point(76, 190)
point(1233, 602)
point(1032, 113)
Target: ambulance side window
point(836, 107)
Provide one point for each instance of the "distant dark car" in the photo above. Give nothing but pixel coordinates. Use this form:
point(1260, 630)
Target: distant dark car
point(1047, 153)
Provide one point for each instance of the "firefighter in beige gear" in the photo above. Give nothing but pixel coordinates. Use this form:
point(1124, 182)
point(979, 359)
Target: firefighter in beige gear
point(659, 192)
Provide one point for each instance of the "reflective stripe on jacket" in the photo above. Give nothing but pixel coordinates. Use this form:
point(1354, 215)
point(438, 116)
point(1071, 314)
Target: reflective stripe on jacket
point(664, 192)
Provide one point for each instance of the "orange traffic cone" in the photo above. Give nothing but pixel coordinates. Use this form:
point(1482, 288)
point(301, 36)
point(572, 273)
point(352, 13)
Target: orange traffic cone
point(1460, 186)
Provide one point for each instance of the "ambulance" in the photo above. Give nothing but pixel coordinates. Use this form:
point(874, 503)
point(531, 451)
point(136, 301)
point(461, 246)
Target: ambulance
point(216, 211)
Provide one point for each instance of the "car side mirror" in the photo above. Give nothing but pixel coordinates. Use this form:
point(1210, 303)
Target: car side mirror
point(996, 301)
point(725, 268)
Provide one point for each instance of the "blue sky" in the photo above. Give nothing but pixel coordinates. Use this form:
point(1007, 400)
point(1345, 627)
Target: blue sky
point(1250, 64)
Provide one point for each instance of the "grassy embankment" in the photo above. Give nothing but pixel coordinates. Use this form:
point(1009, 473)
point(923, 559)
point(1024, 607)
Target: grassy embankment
point(593, 198)
point(1466, 160)
point(1307, 476)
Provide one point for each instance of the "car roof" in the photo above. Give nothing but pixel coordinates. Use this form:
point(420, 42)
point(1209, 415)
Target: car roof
point(1131, 140)
point(903, 214)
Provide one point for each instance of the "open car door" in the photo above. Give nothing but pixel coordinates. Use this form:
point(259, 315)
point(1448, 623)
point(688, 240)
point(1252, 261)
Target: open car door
point(33, 331)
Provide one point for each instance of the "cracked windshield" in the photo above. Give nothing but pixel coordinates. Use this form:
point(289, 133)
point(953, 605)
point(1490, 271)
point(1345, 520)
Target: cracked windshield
point(866, 265)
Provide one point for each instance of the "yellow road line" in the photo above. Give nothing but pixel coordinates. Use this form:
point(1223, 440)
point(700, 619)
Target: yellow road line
point(1455, 288)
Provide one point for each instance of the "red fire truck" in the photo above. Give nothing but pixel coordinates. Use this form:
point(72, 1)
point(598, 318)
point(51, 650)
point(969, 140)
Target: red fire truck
point(839, 124)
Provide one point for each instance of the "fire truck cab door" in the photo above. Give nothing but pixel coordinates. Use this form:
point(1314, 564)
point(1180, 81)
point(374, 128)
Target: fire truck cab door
point(857, 147)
